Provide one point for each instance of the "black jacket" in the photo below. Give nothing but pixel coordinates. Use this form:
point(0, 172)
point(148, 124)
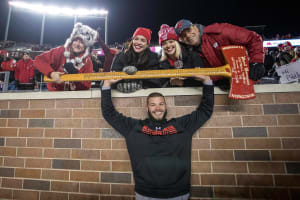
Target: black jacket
point(122, 60)
point(160, 151)
point(190, 59)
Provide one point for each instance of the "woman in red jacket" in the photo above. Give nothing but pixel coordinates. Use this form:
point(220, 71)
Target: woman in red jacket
point(71, 58)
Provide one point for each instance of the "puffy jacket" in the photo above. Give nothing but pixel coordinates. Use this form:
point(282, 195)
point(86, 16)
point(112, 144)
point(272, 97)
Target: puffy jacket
point(24, 71)
point(217, 35)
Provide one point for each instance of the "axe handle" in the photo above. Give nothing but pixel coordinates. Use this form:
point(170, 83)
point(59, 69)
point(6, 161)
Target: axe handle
point(165, 73)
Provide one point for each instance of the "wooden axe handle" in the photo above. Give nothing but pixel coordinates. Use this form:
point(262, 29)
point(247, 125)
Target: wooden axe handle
point(147, 74)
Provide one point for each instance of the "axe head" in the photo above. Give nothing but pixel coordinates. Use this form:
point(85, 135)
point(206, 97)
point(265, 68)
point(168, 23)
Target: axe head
point(241, 86)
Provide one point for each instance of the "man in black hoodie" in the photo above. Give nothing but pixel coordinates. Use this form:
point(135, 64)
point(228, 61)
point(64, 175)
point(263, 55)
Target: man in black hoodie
point(160, 149)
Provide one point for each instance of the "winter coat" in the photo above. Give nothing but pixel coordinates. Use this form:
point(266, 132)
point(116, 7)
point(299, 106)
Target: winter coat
point(122, 60)
point(218, 35)
point(54, 60)
point(24, 72)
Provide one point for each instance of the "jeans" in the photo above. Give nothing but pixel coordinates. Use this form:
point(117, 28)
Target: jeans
point(182, 197)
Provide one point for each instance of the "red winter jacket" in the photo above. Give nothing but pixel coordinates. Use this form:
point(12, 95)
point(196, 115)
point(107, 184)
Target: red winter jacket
point(24, 71)
point(217, 35)
point(54, 60)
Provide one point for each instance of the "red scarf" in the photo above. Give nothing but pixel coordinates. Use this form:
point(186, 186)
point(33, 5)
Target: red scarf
point(171, 61)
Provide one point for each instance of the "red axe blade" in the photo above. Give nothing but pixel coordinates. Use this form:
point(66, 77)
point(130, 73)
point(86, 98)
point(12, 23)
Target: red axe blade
point(241, 86)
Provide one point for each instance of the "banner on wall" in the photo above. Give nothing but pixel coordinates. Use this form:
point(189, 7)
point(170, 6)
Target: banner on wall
point(275, 43)
point(289, 73)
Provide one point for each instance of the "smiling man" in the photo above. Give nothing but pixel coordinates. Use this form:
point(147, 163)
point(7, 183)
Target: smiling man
point(208, 40)
point(71, 58)
point(159, 149)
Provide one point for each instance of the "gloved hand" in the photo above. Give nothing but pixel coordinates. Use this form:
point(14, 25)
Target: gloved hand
point(130, 70)
point(223, 84)
point(257, 70)
point(69, 68)
point(129, 86)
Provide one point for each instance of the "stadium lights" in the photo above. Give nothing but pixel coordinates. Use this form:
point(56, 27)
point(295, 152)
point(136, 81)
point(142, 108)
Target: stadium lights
point(55, 10)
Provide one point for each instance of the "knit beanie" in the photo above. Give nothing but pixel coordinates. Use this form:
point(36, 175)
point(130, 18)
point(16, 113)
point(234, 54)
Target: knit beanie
point(144, 32)
point(166, 33)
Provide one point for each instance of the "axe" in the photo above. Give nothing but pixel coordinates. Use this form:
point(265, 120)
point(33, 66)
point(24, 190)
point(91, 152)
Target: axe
point(236, 69)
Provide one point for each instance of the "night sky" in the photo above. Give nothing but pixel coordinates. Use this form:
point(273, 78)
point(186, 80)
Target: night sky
point(126, 15)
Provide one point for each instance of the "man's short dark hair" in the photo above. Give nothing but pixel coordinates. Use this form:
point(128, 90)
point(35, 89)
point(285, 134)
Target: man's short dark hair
point(155, 94)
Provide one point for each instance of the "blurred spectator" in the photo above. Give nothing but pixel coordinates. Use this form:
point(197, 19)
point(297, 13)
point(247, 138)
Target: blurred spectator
point(268, 61)
point(287, 36)
point(287, 54)
point(297, 54)
point(8, 64)
point(24, 73)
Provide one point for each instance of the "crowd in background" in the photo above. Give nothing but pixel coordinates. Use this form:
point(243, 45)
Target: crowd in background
point(283, 54)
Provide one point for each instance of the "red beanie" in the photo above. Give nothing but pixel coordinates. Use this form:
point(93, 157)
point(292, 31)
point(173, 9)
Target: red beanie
point(166, 33)
point(287, 43)
point(144, 32)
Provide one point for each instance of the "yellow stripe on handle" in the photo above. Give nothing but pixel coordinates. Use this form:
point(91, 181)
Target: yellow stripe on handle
point(164, 73)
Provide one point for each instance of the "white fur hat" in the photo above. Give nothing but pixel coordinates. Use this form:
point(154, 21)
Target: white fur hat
point(88, 36)
point(86, 33)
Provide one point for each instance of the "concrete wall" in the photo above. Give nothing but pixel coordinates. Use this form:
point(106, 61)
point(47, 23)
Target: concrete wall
point(58, 146)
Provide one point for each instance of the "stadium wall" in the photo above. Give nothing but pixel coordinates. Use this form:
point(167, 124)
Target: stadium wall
point(56, 145)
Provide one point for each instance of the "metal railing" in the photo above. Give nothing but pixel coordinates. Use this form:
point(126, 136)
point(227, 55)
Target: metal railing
point(4, 83)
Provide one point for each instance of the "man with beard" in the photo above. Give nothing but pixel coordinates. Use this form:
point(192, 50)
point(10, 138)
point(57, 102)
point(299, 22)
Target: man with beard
point(72, 58)
point(159, 149)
